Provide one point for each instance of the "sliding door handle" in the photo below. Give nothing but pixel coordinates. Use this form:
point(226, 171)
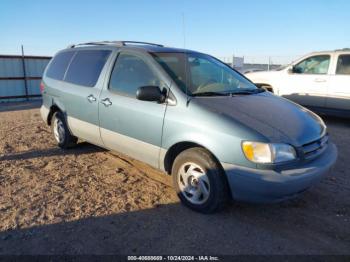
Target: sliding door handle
point(91, 98)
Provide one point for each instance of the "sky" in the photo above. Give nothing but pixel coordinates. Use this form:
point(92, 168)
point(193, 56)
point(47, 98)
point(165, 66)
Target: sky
point(218, 27)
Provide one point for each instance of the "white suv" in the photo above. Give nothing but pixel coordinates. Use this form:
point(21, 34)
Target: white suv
point(318, 80)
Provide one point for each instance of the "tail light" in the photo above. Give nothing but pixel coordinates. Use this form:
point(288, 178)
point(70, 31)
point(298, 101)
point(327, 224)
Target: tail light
point(42, 87)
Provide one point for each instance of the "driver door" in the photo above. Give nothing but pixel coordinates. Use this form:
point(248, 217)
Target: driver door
point(308, 81)
point(129, 125)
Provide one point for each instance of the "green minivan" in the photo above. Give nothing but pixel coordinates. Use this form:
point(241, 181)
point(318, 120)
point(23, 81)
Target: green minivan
point(190, 115)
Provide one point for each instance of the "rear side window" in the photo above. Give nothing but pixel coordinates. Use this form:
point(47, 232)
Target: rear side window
point(86, 67)
point(343, 65)
point(129, 73)
point(58, 65)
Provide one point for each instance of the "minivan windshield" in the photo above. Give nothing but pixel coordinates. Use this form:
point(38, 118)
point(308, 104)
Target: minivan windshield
point(202, 75)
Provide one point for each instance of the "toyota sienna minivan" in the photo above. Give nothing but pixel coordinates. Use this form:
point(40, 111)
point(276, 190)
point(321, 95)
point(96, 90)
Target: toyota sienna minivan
point(190, 115)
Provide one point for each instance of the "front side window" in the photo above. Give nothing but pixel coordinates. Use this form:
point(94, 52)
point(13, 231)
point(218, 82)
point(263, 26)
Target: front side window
point(129, 73)
point(313, 65)
point(198, 74)
point(59, 64)
point(343, 65)
point(86, 67)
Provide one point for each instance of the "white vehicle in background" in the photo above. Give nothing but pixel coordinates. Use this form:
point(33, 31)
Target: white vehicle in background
point(320, 81)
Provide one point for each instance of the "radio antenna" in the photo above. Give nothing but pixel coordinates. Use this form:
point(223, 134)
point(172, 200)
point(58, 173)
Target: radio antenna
point(183, 29)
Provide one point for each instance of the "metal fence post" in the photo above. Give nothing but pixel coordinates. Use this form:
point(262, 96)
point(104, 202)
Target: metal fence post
point(24, 75)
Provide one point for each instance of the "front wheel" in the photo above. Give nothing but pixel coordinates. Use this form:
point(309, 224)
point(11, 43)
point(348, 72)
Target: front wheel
point(199, 181)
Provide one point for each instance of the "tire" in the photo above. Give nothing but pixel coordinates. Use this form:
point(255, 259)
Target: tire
point(267, 88)
point(199, 181)
point(61, 132)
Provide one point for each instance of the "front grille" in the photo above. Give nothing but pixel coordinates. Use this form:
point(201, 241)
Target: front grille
point(315, 148)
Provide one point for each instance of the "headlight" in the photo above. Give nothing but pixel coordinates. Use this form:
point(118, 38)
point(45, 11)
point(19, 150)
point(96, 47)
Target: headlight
point(268, 153)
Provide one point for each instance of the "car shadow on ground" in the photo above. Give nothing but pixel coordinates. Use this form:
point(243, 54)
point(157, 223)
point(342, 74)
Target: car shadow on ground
point(80, 149)
point(174, 229)
point(336, 121)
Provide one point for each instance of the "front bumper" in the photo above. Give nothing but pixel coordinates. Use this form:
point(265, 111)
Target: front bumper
point(267, 186)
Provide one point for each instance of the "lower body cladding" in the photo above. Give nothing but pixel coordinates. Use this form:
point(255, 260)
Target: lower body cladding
point(268, 186)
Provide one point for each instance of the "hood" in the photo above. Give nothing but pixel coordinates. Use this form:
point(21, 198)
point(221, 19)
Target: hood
point(276, 118)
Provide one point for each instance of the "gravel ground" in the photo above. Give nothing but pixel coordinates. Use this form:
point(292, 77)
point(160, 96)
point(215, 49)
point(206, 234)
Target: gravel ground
point(90, 201)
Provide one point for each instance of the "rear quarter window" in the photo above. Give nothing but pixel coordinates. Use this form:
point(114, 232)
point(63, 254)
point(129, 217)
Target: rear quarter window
point(58, 65)
point(86, 67)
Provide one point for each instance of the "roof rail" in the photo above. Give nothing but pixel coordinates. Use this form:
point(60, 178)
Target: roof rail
point(115, 43)
point(343, 49)
point(137, 43)
point(93, 43)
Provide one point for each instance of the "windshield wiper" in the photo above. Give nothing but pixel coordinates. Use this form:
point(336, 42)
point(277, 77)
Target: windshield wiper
point(238, 92)
point(247, 92)
point(209, 93)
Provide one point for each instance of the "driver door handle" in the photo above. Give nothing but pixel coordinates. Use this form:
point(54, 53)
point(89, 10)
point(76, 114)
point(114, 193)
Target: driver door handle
point(106, 102)
point(320, 80)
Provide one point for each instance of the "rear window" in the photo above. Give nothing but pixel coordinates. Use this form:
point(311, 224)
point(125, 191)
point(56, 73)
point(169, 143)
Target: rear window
point(58, 65)
point(86, 67)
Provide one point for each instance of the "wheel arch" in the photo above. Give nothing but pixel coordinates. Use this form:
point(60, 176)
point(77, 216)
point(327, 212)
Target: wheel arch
point(53, 109)
point(177, 149)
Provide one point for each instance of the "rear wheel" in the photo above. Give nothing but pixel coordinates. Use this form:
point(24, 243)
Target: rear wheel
point(199, 181)
point(61, 132)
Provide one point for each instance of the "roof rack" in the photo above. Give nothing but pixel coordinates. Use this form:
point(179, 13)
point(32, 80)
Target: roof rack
point(115, 43)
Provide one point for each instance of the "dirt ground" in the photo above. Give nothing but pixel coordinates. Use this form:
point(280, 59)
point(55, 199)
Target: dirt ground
point(87, 200)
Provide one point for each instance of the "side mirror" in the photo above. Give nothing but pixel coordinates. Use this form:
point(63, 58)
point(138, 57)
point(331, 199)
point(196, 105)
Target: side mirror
point(294, 70)
point(150, 93)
